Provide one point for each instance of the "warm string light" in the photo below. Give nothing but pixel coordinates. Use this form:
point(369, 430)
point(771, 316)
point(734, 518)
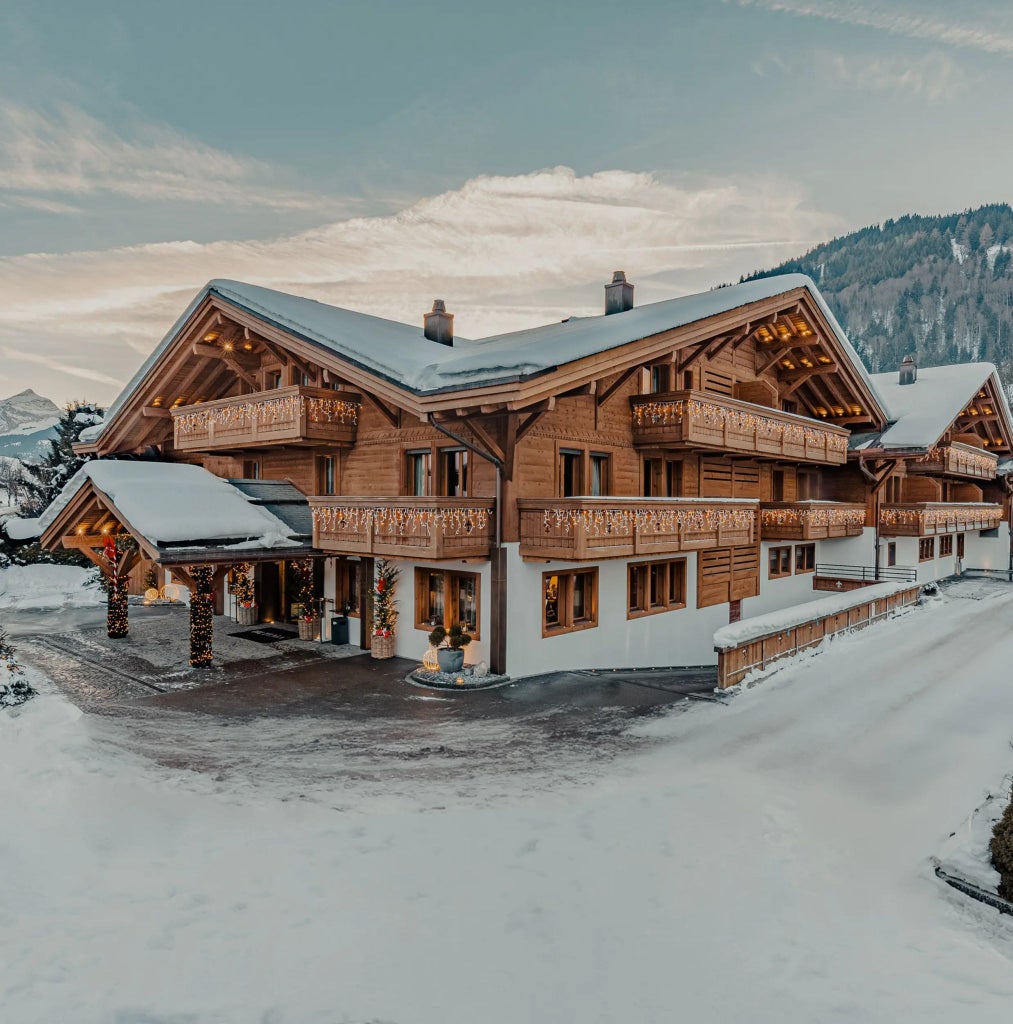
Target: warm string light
point(985, 462)
point(596, 522)
point(117, 585)
point(202, 608)
point(241, 584)
point(302, 570)
point(400, 520)
point(268, 412)
point(665, 413)
point(814, 516)
point(932, 518)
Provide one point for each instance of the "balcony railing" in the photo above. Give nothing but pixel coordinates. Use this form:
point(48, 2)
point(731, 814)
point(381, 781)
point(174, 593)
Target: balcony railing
point(404, 527)
point(293, 415)
point(810, 520)
point(576, 529)
point(698, 419)
point(925, 519)
point(957, 459)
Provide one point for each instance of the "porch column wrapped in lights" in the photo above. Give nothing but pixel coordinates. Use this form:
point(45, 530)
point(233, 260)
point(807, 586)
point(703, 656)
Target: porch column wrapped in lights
point(117, 615)
point(598, 522)
point(286, 409)
point(202, 608)
point(401, 520)
point(813, 516)
point(663, 413)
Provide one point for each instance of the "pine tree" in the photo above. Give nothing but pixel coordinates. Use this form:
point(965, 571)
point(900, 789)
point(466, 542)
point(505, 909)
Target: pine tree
point(60, 462)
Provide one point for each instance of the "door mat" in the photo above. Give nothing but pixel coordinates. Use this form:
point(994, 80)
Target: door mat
point(267, 634)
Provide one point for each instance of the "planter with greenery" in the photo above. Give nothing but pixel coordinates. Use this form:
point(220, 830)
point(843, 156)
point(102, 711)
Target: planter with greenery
point(450, 645)
point(384, 609)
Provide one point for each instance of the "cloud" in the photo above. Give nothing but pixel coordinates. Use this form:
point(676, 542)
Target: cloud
point(48, 156)
point(505, 252)
point(972, 31)
point(932, 77)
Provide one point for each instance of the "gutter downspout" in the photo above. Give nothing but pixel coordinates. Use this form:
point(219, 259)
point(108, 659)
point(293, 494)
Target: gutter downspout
point(875, 509)
point(497, 655)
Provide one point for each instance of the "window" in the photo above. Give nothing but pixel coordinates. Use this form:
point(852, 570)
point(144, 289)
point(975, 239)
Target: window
point(780, 563)
point(571, 481)
point(272, 379)
point(946, 545)
point(661, 378)
point(673, 479)
point(687, 380)
point(891, 553)
point(777, 485)
point(569, 601)
point(346, 587)
point(652, 478)
point(454, 472)
point(303, 378)
point(447, 599)
point(251, 469)
point(662, 478)
point(808, 486)
point(327, 478)
point(418, 472)
point(960, 545)
point(926, 549)
point(600, 472)
point(656, 587)
point(805, 557)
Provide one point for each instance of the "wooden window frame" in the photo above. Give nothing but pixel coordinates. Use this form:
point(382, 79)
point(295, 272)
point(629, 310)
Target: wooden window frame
point(781, 550)
point(891, 554)
point(926, 549)
point(321, 472)
point(409, 477)
point(945, 545)
point(451, 579)
point(272, 372)
point(564, 598)
point(643, 571)
point(605, 472)
point(801, 549)
point(581, 463)
point(258, 469)
point(441, 453)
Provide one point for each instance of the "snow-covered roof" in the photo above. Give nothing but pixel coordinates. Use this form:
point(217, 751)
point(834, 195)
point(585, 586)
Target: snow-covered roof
point(401, 353)
point(20, 529)
point(922, 412)
point(172, 504)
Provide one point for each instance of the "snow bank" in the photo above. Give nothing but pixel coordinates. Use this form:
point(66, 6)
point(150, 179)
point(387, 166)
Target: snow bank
point(47, 586)
point(745, 630)
point(21, 529)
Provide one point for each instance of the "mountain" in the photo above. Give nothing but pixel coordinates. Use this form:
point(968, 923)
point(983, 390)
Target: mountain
point(940, 288)
point(26, 422)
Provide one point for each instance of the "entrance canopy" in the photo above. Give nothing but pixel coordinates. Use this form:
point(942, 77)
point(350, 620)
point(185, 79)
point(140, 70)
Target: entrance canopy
point(178, 514)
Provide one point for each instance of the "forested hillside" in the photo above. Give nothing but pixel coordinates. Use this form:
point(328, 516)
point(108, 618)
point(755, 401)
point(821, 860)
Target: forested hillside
point(938, 287)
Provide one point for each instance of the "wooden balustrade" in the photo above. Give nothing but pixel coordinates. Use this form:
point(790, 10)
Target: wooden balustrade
point(576, 529)
point(290, 416)
point(810, 520)
point(699, 419)
point(404, 527)
point(925, 519)
point(956, 459)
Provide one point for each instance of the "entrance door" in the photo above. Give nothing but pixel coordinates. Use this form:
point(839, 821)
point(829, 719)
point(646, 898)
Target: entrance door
point(268, 582)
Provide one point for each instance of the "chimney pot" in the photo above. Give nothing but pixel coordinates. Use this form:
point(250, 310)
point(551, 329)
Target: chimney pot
point(908, 371)
point(618, 294)
point(438, 325)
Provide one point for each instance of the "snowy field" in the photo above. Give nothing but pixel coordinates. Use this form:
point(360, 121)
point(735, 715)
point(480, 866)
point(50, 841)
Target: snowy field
point(47, 587)
point(765, 860)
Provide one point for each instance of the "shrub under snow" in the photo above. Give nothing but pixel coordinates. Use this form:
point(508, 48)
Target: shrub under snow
point(1001, 848)
point(14, 687)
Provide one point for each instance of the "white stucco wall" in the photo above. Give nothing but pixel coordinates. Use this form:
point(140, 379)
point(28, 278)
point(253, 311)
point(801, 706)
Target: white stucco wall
point(782, 592)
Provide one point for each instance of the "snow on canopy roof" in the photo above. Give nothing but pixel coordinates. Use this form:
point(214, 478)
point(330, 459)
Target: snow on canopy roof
point(401, 352)
point(922, 412)
point(174, 503)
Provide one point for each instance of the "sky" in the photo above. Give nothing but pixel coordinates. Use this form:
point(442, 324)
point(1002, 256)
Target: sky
point(504, 157)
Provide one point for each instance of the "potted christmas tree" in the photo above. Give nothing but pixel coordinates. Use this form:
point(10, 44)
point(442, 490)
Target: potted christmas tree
point(241, 584)
point(309, 621)
point(450, 647)
point(384, 609)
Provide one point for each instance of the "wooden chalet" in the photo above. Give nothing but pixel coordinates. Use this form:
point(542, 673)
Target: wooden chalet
point(600, 492)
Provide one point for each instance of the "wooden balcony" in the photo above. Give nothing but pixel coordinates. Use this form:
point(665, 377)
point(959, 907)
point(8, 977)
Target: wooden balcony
point(810, 520)
point(956, 459)
point(698, 419)
point(925, 519)
point(403, 527)
point(282, 416)
point(580, 529)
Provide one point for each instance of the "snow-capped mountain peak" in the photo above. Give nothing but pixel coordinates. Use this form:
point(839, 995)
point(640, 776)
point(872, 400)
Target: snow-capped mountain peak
point(27, 413)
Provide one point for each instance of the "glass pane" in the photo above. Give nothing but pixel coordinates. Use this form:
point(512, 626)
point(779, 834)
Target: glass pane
point(581, 596)
point(434, 596)
point(418, 473)
point(467, 602)
point(785, 560)
point(675, 570)
point(551, 600)
point(455, 474)
point(657, 586)
point(636, 593)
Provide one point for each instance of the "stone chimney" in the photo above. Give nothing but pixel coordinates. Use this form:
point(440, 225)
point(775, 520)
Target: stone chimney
point(618, 294)
point(439, 324)
point(908, 370)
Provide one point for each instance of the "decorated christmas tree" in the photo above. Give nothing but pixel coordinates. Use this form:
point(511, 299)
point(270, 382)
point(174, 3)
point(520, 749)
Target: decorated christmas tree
point(384, 602)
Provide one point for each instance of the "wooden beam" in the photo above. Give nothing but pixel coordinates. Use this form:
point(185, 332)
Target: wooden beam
point(603, 396)
point(491, 445)
point(208, 351)
point(390, 415)
point(525, 426)
point(155, 412)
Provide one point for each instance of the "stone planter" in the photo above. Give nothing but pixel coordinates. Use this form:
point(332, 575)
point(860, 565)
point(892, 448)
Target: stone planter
point(383, 647)
point(309, 629)
point(451, 661)
point(246, 616)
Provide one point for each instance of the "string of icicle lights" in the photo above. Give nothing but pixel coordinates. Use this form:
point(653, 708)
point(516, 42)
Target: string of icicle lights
point(927, 518)
point(597, 522)
point(270, 411)
point(401, 520)
point(849, 517)
point(671, 412)
point(982, 461)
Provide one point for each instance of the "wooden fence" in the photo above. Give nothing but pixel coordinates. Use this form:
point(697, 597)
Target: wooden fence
point(755, 653)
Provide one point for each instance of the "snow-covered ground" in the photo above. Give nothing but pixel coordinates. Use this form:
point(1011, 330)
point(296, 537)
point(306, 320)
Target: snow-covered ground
point(47, 586)
point(765, 860)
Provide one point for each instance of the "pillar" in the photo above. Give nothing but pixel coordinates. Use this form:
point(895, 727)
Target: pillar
point(202, 606)
point(117, 620)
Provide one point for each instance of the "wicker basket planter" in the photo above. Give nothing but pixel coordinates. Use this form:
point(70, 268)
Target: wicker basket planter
point(246, 616)
point(309, 629)
point(383, 647)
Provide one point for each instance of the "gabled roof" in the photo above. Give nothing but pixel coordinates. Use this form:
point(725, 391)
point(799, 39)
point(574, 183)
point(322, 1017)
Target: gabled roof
point(922, 412)
point(401, 354)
